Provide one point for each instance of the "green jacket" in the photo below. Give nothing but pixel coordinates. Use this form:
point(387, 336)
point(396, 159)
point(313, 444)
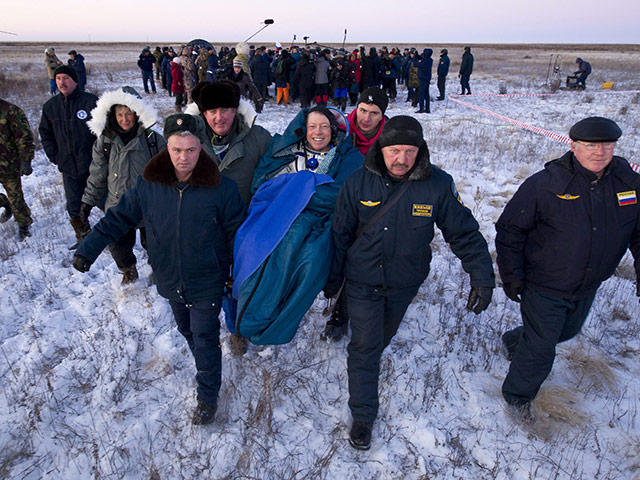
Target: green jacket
point(16, 138)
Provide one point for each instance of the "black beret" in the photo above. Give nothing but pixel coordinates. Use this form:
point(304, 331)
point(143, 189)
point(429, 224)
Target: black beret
point(222, 94)
point(376, 96)
point(401, 130)
point(67, 70)
point(595, 129)
point(184, 122)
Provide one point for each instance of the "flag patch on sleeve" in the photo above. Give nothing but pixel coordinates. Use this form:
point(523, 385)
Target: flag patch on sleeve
point(627, 198)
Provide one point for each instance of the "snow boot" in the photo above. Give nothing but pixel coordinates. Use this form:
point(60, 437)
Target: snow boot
point(4, 203)
point(360, 436)
point(204, 413)
point(129, 274)
point(237, 344)
point(521, 412)
point(23, 233)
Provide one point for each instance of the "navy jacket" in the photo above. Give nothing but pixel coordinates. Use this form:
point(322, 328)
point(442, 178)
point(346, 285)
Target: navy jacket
point(261, 69)
point(425, 66)
point(466, 67)
point(443, 65)
point(66, 139)
point(395, 252)
point(78, 66)
point(190, 227)
point(565, 231)
point(146, 62)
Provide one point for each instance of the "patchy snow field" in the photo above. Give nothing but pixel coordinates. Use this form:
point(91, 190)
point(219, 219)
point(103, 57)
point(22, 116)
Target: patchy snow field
point(96, 382)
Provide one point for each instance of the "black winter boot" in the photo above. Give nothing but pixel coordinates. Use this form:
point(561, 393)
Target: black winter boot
point(4, 203)
point(360, 436)
point(23, 233)
point(129, 274)
point(204, 413)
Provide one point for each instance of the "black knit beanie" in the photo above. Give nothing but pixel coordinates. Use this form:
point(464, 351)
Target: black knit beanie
point(66, 69)
point(376, 96)
point(401, 130)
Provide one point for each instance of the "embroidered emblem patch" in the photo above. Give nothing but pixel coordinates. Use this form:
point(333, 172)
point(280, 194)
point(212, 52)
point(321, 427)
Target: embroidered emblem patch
point(81, 114)
point(568, 196)
point(369, 203)
point(419, 210)
point(456, 194)
point(627, 198)
point(370, 98)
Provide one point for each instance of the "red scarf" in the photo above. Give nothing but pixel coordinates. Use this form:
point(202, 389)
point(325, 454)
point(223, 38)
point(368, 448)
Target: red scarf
point(359, 140)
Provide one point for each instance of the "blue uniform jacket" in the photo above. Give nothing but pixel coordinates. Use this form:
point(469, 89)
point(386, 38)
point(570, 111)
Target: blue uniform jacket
point(565, 231)
point(190, 227)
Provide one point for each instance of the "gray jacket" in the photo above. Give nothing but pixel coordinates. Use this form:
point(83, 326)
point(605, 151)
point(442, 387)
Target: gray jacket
point(116, 174)
point(249, 143)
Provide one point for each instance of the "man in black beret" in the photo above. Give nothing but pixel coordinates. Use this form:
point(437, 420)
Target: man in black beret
point(193, 212)
point(382, 228)
point(235, 142)
point(67, 140)
point(561, 235)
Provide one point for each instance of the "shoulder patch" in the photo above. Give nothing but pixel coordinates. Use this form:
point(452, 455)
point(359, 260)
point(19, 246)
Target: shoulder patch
point(421, 210)
point(568, 196)
point(455, 193)
point(369, 203)
point(627, 198)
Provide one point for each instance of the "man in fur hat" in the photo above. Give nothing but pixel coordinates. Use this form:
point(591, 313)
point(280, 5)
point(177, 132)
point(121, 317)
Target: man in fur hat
point(398, 197)
point(233, 139)
point(193, 212)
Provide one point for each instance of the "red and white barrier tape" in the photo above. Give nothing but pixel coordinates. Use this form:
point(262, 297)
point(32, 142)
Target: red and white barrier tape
point(525, 126)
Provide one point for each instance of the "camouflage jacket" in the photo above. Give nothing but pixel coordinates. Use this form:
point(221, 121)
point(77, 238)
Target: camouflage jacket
point(16, 138)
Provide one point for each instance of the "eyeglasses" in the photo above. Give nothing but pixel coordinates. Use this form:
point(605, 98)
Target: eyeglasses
point(596, 146)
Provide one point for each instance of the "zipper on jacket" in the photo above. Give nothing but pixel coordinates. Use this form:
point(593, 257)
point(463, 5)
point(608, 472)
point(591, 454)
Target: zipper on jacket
point(182, 292)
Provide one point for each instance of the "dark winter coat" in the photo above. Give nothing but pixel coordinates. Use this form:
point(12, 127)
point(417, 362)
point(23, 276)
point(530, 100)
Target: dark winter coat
point(425, 66)
point(395, 252)
point(78, 65)
point(247, 87)
point(304, 74)
point(65, 136)
point(584, 68)
point(466, 67)
point(340, 78)
point(322, 70)
point(390, 68)
point(190, 227)
point(260, 69)
point(146, 62)
point(565, 231)
point(443, 65)
point(285, 69)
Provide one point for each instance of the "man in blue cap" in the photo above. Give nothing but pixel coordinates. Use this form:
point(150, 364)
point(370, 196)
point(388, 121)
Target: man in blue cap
point(561, 235)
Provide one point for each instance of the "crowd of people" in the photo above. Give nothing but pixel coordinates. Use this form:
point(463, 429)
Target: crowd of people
point(232, 217)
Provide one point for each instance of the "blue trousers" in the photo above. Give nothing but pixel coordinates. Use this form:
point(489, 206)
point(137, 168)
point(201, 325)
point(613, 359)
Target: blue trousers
point(146, 78)
point(424, 101)
point(464, 84)
point(374, 316)
point(547, 321)
point(200, 326)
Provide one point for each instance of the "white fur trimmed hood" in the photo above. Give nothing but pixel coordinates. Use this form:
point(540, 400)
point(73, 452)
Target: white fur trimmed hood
point(245, 109)
point(147, 115)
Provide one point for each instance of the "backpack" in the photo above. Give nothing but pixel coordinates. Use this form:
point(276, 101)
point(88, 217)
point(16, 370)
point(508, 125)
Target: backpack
point(280, 66)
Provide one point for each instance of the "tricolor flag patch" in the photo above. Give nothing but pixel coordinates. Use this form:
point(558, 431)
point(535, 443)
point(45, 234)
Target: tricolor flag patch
point(627, 198)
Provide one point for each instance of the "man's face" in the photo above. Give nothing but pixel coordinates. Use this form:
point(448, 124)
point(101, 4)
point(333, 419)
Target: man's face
point(184, 153)
point(318, 132)
point(125, 117)
point(220, 119)
point(399, 159)
point(593, 156)
point(65, 84)
point(236, 70)
point(368, 117)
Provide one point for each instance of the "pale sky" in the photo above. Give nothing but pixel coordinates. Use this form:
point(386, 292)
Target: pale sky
point(388, 21)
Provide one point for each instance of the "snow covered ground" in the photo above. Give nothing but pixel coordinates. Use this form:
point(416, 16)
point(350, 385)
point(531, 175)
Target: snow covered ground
point(96, 382)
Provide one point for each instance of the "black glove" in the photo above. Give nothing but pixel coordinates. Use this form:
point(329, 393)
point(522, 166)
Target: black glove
point(25, 168)
point(80, 263)
point(479, 299)
point(514, 289)
point(85, 211)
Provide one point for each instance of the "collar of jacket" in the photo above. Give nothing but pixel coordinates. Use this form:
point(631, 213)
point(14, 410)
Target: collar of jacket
point(72, 96)
point(619, 167)
point(374, 162)
point(160, 170)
